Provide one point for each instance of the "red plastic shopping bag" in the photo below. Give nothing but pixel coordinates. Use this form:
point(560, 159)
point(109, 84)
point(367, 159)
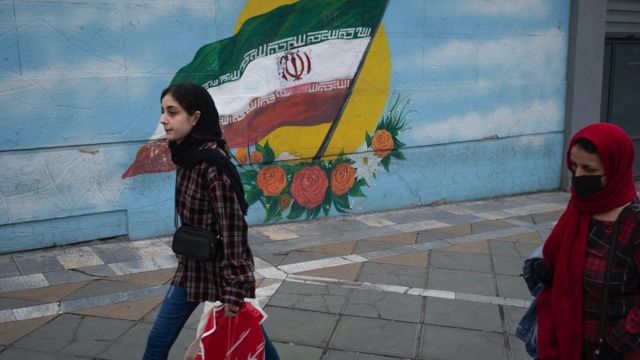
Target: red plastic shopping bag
point(231, 338)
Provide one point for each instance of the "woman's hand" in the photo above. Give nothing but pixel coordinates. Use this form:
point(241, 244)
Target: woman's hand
point(230, 310)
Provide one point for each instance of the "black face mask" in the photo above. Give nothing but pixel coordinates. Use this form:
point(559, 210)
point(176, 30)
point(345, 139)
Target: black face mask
point(586, 185)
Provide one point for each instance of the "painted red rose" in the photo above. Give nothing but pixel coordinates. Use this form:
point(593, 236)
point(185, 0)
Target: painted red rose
point(309, 186)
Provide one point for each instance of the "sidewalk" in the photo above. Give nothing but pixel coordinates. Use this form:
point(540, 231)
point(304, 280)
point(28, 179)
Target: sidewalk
point(426, 283)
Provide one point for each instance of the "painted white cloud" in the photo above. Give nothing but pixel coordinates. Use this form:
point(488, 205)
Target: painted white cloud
point(535, 117)
point(505, 7)
point(532, 58)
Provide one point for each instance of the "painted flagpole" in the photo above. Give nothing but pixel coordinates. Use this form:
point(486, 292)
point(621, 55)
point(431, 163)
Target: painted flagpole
point(334, 124)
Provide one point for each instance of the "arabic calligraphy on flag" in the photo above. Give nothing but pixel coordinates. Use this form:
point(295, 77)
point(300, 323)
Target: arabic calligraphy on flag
point(292, 66)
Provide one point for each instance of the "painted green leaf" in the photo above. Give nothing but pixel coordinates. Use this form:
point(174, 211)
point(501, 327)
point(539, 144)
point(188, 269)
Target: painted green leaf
point(296, 211)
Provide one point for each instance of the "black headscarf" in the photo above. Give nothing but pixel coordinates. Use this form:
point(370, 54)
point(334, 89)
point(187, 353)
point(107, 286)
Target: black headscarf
point(188, 153)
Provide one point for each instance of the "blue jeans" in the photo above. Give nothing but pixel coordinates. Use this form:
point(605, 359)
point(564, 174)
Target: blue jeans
point(174, 313)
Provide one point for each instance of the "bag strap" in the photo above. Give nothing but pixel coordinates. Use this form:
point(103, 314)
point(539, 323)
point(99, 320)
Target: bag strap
point(607, 281)
point(223, 163)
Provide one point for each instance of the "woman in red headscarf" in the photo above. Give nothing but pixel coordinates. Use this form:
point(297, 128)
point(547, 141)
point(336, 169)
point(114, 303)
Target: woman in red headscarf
point(570, 308)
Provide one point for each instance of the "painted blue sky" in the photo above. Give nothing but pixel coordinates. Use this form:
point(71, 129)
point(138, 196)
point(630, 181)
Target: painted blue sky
point(92, 73)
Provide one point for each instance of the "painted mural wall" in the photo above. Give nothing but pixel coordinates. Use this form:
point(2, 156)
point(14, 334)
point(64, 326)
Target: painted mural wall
point(330, 107)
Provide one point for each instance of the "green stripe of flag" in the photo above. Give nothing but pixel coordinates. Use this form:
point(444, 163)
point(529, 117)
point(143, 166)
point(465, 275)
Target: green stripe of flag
point(226, 56)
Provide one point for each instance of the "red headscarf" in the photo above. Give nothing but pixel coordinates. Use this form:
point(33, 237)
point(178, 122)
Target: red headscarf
point(559, 307)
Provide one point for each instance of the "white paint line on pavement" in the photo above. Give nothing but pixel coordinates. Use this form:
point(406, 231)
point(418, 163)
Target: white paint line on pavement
point(315, 264)
point(420, 225)
point(272, 273)
point(263, 294)
point(37, 311)
point(7, 316)
point(374, 221)
point(435, 293)
point(277, 232)
point(441, 294)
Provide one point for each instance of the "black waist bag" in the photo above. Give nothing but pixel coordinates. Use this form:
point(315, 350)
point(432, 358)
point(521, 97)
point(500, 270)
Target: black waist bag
point(194, 243)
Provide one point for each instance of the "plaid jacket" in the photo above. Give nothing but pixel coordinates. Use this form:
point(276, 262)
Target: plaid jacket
point(623, 315)
point(205, 198)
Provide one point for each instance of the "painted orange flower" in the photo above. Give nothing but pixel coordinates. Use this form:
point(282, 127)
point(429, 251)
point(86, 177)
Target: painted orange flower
point(284, 201)
point(342, 178)
point(309, 186)
point(271, 180)
point(242, 156)
point(382, 143)
point(256, 157)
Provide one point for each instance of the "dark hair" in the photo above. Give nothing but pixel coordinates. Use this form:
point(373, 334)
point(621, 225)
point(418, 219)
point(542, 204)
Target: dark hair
point(586, 145)
point(192, 98)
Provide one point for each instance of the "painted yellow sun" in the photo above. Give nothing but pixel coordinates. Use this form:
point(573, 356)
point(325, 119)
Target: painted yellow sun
point(362, 112)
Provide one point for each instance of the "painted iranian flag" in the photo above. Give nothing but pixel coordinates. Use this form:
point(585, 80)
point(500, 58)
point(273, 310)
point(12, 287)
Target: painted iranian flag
point(293, 66)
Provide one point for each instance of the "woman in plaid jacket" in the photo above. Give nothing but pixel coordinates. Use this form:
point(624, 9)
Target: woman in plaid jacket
point(205, 198)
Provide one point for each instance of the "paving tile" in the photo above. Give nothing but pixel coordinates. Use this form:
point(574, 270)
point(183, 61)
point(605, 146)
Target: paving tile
point(503, 248)
point(84, 348)
point(277, 232)
point(12, 331)
point(53, 336)
point(23, 282)
point(390, 274)
point(417, 259)
point(518, 349)
point(157, 277)
point(508, 265)
point(72, 258)
point(462, 281)
point(102, 287)
point(10, 303)
point(339, 249)
point(512, 316)
point(463, 314)
point(523, 218)
point(384, 305)
point(444, 233)
point(385, 242)
point(134, 310)
point(477, 247)
point(528, 238)
point(103, 270)
point(114, 253)
point(13, 353)
point(273, 259)
point(547, 217)
point(297, 295)
point(66, 276)
point(129, 346)
point(461, 261)
point(290, 325)
point(295, 351)
point(460, 344)
point(420, 225)
point(513, 287)
point(384, 337)
point(149, 249)
point(489, 226)
point(525, 250)
point(348, 355)
point(295, 257)
point(8, 267)
point(46, 294)
point(342, 272)
point(373, 220)
point(40, 263)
